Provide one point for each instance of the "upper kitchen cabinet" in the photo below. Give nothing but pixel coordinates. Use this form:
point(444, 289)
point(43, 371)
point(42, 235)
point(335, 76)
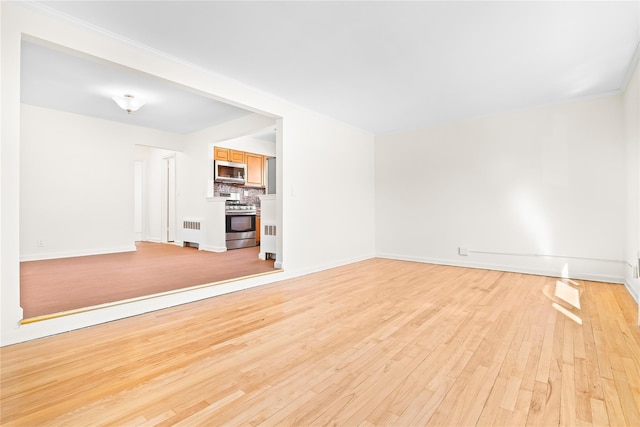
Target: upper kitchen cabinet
point(255, 170)
point(237, 156)
point(256, 164)
point(220, 153)
point(228, 155)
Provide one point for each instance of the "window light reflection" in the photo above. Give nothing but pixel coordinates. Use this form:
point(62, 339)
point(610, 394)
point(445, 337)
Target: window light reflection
point(565, 298)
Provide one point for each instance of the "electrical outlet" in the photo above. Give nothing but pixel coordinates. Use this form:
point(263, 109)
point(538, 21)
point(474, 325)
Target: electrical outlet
point(40, 243)
point(463, 250)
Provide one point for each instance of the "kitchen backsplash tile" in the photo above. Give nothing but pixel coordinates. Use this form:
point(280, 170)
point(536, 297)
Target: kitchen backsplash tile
point(252, 198)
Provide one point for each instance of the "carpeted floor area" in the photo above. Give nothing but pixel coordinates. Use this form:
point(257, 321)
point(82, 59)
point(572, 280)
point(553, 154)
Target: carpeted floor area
point(51, 286)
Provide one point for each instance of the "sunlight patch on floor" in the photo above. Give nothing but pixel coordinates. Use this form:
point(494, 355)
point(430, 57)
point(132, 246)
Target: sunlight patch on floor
point(565, 298)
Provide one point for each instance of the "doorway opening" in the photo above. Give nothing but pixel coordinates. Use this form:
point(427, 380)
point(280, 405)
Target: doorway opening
point(117, 208)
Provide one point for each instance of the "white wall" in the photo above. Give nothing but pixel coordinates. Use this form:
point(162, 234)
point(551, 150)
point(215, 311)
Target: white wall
point(76, 182)
point(251, 145)
point(547, 181)
point(315, 234)
point(76, 179)
point(631, 107)
point(329, 197)
point(154, 187)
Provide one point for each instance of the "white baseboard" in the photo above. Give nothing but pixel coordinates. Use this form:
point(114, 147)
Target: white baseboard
point(72, 254)
point(632, 291)
point(212, 248)
point(322, 267)
point(501, 267)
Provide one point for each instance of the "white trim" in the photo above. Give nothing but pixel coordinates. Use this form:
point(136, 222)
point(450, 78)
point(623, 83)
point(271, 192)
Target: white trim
point(209, 248)
point(631, 291)
point(501, 267)
point(143, 208)
point(73, 254)
point(30, 331)
point(536, 255)
point(168, 207)
point(53, 326)
point(323, 267)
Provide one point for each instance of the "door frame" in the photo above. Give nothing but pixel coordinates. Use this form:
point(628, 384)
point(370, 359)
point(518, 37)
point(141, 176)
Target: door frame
point(169, 199)
point(139, 204)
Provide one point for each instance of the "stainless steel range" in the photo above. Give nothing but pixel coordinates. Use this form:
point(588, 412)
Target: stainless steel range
point(240, 221)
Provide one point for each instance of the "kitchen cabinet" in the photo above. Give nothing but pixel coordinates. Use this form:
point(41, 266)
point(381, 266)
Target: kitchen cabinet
point(256, 164)
point(255, 170)
point(228, 155)
point(237, 156)
point(220, 153)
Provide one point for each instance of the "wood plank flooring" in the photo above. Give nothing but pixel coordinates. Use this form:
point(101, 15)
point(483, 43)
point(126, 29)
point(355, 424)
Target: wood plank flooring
point(379, 342)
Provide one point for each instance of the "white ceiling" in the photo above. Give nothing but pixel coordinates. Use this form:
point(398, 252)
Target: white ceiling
point(387, 66)
point(56, 79)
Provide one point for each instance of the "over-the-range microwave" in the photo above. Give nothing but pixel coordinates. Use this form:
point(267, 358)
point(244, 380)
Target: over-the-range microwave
point(229, 172)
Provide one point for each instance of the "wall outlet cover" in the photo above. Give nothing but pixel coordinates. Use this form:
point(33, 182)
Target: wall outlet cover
point(463, 250)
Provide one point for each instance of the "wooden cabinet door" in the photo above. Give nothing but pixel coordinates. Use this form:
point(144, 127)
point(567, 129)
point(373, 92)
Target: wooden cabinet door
point(255, 170)
point(220, 153)
point(237, 156)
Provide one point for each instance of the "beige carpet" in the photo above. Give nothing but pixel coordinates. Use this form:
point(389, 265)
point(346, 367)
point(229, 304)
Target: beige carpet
point(51, 286)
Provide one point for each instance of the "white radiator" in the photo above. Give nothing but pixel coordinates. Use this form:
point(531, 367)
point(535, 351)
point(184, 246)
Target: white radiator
point(192, 232)
point(268, 239)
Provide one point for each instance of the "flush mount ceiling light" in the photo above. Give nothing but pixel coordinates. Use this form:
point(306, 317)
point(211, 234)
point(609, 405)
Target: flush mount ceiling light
point(128, 103)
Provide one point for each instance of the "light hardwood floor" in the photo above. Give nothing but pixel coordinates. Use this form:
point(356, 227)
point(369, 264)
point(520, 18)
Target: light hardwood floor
point(379, 342)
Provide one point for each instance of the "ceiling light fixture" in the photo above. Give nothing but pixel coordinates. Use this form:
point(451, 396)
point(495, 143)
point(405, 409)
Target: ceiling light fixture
point(128, 103)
